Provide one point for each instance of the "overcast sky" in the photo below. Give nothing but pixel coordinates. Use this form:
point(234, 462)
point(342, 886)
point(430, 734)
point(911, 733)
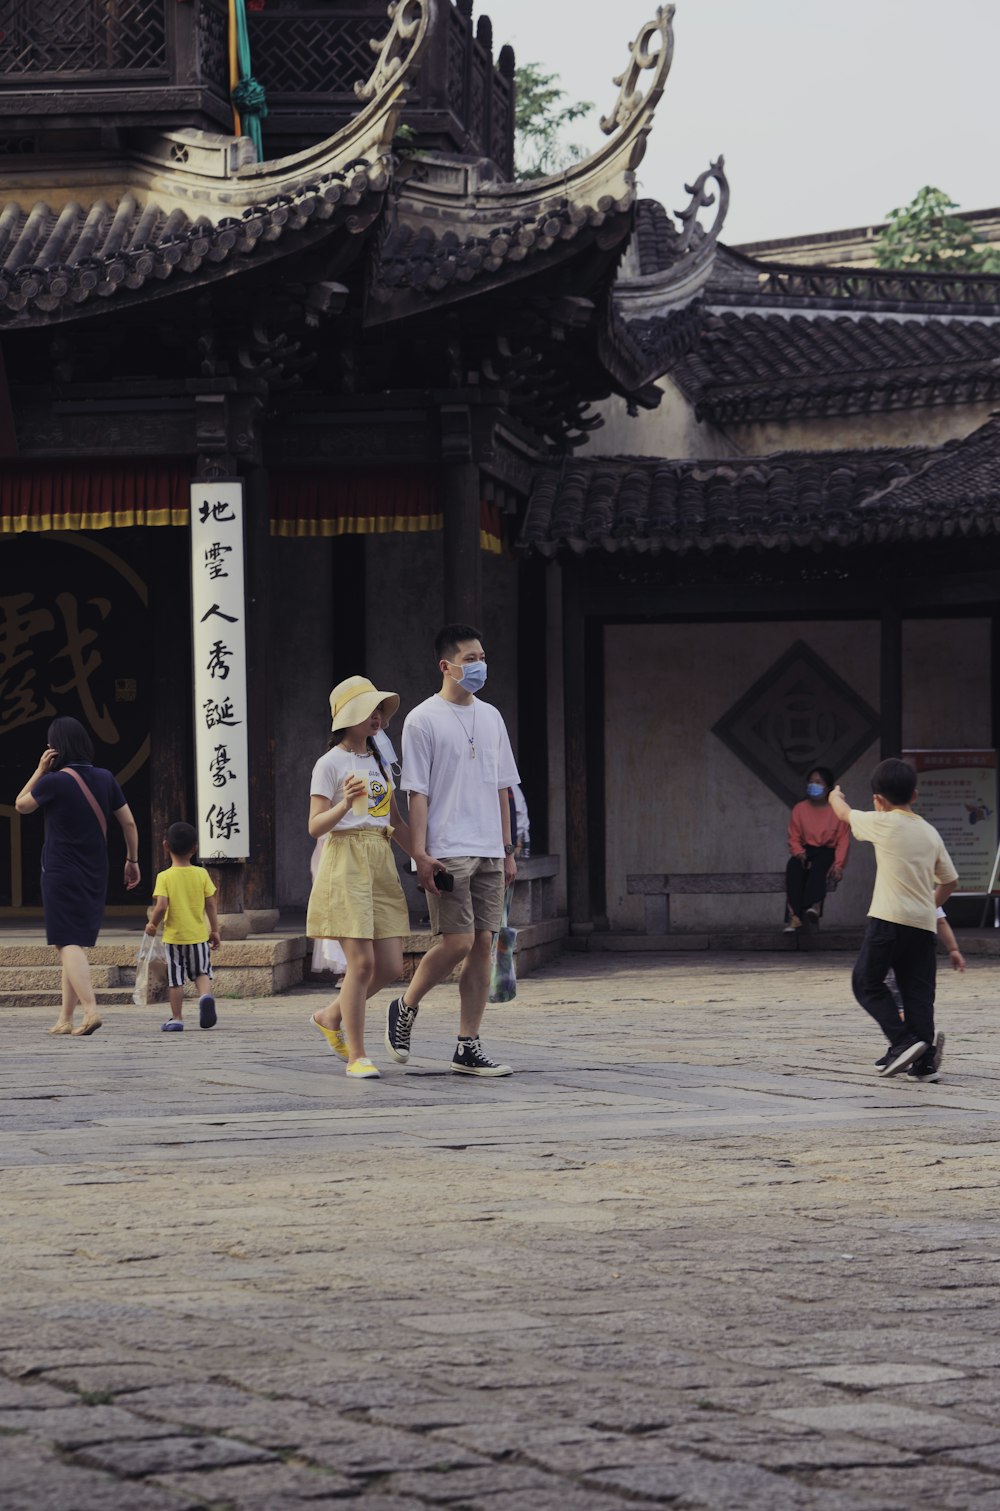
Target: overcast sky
point(829, 112)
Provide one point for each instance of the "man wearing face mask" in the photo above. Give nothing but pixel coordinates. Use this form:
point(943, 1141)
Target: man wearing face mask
point(457, 767)
point(818, 841)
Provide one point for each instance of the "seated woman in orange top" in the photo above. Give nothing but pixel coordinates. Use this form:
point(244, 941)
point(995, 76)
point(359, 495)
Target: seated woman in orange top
point(819, 842)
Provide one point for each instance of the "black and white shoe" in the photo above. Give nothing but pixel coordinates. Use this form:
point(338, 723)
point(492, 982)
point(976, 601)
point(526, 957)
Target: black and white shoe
point(811, 920)
point(471, 1059)
point(883, 1060)
point(928, 1067)
point(398, 1027)
point(902, 1057)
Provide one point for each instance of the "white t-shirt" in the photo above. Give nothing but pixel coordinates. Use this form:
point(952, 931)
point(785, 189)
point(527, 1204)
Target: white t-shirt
point(329, 774)
point(911, 861)
point(463, 806)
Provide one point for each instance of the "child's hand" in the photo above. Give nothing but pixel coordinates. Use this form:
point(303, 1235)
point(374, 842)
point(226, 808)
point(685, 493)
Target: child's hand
point(151, 930)
point(957, 960)
point(215, 939)
point(355, 786)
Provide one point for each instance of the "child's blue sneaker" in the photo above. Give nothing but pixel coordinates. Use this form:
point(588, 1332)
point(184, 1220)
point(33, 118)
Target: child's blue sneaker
point(173, 1026)
point(207, 1016)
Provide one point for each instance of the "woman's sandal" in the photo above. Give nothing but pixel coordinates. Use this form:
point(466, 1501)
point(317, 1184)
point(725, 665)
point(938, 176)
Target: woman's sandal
point(334, 1037)
point(60, 1028)
point(88, 1026)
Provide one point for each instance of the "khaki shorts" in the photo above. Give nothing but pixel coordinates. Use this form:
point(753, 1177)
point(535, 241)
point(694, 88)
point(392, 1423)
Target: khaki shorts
point(477, 900)
point(356, 894)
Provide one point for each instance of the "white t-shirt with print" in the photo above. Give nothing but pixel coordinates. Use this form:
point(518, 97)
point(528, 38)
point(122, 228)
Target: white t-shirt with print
point(463, 804)
point(328, 777)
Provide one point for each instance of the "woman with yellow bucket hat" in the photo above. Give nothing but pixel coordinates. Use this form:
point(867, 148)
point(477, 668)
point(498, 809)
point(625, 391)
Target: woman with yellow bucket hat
point(357, 897)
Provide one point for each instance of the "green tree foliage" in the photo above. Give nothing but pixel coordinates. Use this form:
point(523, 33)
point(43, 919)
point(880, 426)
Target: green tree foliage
point(542, 111)
point(925, 237)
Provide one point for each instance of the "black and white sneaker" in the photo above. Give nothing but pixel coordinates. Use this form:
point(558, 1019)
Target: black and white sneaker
point(398, 1027)
point(902, 1057)
point(928, 1067)
point(471, 1059)
point(883, 1060)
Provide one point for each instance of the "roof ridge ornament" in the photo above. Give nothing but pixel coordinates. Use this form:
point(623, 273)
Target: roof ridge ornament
point(643, 56)
point(702, 200)
point(395, 49)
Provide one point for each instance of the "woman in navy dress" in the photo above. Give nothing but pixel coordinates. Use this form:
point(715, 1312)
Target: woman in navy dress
point(78, 798)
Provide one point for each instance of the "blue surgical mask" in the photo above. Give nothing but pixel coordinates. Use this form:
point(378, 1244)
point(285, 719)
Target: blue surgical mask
point(815, 789)
point(473, 675)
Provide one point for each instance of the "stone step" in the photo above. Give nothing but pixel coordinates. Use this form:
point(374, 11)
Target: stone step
point(37, 978)
point(115, 996)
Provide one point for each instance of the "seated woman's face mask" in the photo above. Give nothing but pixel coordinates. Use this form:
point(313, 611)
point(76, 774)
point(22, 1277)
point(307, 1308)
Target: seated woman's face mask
point(815, 789)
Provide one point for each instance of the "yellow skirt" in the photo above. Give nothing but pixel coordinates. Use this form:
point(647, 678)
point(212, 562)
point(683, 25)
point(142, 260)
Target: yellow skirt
point(356, 894)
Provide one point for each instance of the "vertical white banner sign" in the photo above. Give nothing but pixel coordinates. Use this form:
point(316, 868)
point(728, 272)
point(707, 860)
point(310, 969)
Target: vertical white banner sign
point(218, 604)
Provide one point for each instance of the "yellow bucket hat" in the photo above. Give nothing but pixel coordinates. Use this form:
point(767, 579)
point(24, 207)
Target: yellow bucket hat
point(355, 699)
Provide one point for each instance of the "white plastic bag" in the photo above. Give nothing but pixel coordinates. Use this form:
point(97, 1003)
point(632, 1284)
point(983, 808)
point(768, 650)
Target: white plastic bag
point(150, 972)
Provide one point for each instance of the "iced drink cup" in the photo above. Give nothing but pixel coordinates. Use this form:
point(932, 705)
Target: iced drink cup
point(359, 805)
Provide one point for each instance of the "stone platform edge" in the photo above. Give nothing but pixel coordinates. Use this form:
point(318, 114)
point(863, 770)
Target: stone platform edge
point(260, 966)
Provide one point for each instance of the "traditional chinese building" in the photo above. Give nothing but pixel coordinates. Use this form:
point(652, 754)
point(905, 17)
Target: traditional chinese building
point(793, 561)
point(363, 339)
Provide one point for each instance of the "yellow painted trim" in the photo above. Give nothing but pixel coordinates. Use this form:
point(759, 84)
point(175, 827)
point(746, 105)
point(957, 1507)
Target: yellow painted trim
point(40, 524)
point(366, 524)
point(491, 543)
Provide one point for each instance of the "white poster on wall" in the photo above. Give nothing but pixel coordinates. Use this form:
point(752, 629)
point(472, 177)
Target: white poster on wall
point(957, 793)
point(220, 673)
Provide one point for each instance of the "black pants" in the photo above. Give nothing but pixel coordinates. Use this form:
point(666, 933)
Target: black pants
point(806, 886)
point(912, 954)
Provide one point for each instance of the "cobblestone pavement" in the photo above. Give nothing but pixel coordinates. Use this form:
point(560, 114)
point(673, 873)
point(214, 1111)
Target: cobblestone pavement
point(694, 1253)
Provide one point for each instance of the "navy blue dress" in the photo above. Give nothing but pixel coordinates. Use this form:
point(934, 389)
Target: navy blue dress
point(75, 854)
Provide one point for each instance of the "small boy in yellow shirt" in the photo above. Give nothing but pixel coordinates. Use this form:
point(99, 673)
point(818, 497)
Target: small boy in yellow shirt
point(184, 896)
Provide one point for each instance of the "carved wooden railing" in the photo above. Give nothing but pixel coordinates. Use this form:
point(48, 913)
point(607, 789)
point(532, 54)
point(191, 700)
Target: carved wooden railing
point(79, 43)
point(309, 54)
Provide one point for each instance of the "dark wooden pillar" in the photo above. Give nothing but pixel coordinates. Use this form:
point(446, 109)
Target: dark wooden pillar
point(258, 881)
point(463, 596)
point(891, 680)
point(533, 696)
point(575, 703)
point(171, 736)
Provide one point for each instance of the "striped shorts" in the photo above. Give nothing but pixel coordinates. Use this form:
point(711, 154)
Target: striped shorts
point(186, 961)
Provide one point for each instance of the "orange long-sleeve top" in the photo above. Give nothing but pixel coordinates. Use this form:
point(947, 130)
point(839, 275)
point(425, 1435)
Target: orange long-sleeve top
point(817, 824)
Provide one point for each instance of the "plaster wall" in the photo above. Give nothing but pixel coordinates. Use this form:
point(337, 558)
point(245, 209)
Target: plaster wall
point(302, 575)
point(677, 799)
point(946, 684)
point(931, 426)
point(671, 430)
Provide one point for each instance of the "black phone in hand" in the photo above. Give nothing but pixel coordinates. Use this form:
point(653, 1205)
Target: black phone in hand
point(444, 881)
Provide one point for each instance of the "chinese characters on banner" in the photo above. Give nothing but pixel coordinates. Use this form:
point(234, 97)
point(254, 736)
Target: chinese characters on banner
point(957, 793)
point(220, 677)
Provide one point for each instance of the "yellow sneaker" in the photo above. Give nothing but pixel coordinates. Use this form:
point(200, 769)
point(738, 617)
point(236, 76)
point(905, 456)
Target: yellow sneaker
point(334, 1037)
point(362, 1069)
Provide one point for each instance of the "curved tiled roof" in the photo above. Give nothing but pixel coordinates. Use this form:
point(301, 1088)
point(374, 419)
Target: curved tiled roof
point(794, 499)
point(752, 364)
point(55, 262)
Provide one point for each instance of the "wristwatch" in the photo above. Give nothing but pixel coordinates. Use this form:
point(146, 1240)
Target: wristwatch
point(508, 849)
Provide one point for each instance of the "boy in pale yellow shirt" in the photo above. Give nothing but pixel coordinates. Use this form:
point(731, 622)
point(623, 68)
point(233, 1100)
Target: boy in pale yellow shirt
point(184, 901)
point(914, 877)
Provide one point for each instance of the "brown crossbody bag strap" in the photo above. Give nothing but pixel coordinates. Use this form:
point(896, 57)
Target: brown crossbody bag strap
point(91, 799)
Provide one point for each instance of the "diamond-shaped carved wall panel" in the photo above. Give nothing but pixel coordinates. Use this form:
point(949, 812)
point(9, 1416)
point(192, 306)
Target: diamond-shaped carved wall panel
point(798, 715)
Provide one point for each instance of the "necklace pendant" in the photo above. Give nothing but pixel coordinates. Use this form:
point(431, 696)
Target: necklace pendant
point(472, 750)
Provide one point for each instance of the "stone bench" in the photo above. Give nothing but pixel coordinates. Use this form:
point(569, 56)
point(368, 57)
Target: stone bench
point(657, 890)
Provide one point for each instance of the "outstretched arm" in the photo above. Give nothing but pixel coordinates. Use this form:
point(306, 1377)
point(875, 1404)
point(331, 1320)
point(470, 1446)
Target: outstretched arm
point(840, 805)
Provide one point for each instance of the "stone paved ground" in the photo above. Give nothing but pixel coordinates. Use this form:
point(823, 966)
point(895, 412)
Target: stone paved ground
point(693, 1254)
